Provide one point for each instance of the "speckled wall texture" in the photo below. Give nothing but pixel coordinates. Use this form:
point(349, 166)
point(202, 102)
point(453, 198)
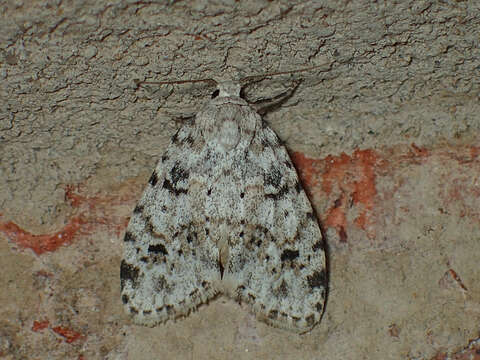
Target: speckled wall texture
point(384, 133)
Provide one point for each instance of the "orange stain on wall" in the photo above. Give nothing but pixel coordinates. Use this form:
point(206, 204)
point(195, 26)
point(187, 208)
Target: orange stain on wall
point(350, 179)
point(92, 212)
point(68, 334)
point(40, 244)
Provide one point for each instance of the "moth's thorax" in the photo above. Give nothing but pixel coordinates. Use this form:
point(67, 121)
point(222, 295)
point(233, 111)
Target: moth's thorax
point(227, 122)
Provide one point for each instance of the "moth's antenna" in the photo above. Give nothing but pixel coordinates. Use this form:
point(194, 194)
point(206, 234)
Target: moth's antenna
point(140, 83)
point(256, 78)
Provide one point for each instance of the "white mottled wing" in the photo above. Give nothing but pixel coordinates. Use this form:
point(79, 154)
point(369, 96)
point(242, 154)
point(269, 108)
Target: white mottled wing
point(169, 267)
point(277, 264)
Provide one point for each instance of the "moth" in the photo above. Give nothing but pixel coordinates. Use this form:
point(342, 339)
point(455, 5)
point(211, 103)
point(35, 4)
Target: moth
point(225, 213)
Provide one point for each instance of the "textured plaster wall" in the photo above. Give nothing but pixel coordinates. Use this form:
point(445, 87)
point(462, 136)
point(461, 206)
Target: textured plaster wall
point(384, 133)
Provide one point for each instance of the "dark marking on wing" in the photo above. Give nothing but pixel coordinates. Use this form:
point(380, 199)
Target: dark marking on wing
point(169, 186)
point(273, 177)
point(273, 314)
point(191, 236)
point(138, 209)
point(153, 179)
point(317, 279)
point(281, 193)
point(298, 186)
point(157, 249)
point(318, 245)
point(125, 298)
point(129, 237)
point(189, 140)
point(128, 272)
point(289, 255)
point(178, 174)
point(311, 215)
point(175, 138)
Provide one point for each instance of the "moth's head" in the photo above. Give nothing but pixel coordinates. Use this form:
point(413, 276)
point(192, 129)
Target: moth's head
point(227, 88)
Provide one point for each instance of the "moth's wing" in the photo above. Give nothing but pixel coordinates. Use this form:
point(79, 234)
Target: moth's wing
point(278, 263)
point(169, 267)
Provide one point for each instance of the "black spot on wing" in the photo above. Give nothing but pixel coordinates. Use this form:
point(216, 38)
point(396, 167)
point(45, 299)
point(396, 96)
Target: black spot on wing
point(129, 237)
point(319, 307)
point(317, 279)
point(157, 249)
point(125, 298)
point(273, 314)
point(153, 179)
point(173, 189)
point(289, 255)
point(280, 194)
point(298, 186)
point(273, 177)
point(138, 209)
point(318, 246)
point(175, 138)
point(189, 140)
point(177, 173)
point(128, 272)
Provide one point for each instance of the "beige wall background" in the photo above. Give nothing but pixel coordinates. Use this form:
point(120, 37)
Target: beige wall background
point(384, 133)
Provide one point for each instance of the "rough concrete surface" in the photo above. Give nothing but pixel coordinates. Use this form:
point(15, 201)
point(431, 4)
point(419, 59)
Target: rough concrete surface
point(384, 132)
